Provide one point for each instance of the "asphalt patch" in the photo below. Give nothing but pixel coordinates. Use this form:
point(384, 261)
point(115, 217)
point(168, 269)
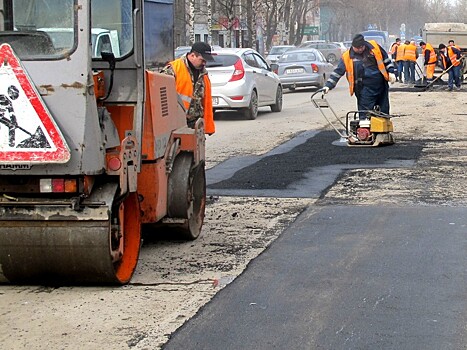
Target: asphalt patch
point(280, 171)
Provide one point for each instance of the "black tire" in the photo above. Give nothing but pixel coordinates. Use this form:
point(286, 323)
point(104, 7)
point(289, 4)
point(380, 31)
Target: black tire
point(187, 195)
point(277, 107)
point(251, 112)
point(331, 58)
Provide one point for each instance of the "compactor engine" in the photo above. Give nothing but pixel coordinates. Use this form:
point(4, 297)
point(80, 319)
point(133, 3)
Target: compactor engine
point(93, 143)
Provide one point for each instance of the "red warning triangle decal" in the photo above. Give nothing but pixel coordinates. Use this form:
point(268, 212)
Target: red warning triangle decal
point(28, 133)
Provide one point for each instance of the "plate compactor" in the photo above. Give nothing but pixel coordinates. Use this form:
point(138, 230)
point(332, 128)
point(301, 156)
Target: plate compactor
point(361, 128)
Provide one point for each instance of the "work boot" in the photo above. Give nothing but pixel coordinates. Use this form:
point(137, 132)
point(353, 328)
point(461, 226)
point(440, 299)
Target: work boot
point(458, 88)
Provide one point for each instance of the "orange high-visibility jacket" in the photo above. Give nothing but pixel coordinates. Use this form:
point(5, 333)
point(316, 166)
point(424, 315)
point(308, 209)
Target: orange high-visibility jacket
point(400, 52)
point(410, 53)
point(349, 65)
point(432, 58)
point(452, 56)
point(394, 48)
point(184, 86)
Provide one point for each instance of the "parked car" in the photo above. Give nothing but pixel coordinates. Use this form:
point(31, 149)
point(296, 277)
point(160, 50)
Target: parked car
point(348, 44)
point(341, 46)
point(276, 52)
point(181, 50)
point(242, 80)
point(303, 67)
point(331, 51)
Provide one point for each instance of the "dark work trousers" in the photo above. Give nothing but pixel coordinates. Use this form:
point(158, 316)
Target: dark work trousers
point(409, 72)
point(373, 92)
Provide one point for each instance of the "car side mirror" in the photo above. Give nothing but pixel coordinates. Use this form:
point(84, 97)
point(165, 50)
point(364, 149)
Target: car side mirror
point(274, 67)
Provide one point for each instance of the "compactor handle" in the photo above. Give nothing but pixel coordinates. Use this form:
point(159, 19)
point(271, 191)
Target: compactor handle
point(317, 92)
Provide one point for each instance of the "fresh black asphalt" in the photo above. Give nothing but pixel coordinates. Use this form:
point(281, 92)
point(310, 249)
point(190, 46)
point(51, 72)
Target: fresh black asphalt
point(340, 277)
point(346, 277)
point(305, 168)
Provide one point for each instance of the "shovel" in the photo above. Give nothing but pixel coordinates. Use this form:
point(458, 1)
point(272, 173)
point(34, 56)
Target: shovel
point(422, 80)
point(36, 140)
point(427, 86)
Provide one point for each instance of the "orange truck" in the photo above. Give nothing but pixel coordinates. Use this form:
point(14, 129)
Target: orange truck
point(93, 142)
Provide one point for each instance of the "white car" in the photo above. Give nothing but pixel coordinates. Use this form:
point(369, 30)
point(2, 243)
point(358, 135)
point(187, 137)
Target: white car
point(242, 80)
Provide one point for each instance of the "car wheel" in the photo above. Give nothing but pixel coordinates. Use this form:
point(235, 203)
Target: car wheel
point(331, 58)
point(251, 112)
point(277, 107)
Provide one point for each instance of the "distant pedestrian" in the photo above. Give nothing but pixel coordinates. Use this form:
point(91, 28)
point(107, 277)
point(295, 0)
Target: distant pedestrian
point(451, 59)
point(429, 60)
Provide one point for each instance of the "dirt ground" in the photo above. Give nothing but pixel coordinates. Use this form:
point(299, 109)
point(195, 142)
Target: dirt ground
point(174, 279)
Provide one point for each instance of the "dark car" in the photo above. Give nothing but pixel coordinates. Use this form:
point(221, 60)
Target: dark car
point(303, 67)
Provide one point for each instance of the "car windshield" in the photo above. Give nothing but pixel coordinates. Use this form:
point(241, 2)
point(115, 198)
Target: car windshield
point(47, 29)
point(222, 61)
point(298, 57)
point(275, 50)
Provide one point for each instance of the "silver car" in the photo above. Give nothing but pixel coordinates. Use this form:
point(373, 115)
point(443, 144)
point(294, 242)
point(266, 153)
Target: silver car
point(303, 67)
point(242, 80)
point(331, 51)
point(276, 52)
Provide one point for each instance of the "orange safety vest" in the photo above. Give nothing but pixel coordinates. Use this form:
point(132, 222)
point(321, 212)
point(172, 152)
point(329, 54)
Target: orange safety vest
point(452, 57)
point(410, 53)
point(433, 58)
point(349, 65)
point(184, 86)
point(400, 52)
point(394, 47)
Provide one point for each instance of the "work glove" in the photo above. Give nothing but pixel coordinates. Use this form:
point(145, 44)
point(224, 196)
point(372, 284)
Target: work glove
point(325, 90)
point(392, 78)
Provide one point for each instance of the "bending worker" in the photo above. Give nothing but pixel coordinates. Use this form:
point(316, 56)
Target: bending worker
point(193, 85)
point(368, 70)
point(451, 59)
point(430, 60)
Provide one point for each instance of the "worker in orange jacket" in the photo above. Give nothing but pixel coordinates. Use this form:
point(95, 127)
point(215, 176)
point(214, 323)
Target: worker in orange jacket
point(368, 69)
point(430, 60)
point(193, 85)
point(393, 51)
point(410, 59)
point(400, 61)
point(451, 43)
point(451, 56)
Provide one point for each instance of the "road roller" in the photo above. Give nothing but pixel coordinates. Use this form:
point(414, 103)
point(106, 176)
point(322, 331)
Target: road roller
point(94, 143)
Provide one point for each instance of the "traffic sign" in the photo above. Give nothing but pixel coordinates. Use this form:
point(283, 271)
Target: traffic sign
point(28, 133)
point(311, 30)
